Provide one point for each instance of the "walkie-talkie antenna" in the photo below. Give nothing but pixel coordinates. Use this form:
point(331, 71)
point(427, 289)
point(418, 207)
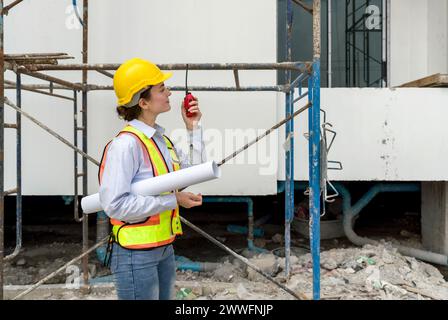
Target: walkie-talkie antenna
point(186, 80)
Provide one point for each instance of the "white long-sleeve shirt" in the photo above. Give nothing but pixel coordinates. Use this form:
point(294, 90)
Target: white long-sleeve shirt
point(125, 164)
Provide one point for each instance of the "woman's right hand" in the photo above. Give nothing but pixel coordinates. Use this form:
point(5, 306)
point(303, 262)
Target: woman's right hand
point(188, 199)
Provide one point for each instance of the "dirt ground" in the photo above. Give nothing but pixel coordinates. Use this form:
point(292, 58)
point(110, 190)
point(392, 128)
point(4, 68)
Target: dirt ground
point(347, 272)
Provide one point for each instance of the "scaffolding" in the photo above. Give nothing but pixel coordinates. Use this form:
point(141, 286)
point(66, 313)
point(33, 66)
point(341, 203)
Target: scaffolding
point(33, 65)
point(358, 46)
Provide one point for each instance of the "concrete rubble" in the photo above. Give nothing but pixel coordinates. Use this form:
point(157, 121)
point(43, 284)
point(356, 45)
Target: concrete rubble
point(371, 272)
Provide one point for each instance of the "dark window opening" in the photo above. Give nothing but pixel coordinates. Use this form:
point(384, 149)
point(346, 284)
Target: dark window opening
point(358, 42)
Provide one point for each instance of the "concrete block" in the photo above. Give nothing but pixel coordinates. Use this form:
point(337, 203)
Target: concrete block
point(435, 216)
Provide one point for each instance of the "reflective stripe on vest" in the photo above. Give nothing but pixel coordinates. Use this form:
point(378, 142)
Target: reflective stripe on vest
point(159, 229)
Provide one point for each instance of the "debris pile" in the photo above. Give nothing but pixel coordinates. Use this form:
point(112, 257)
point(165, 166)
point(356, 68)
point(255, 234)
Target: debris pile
point(371, 272)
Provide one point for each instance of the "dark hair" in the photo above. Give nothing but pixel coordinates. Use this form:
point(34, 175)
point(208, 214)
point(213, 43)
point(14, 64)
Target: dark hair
point(131, 113)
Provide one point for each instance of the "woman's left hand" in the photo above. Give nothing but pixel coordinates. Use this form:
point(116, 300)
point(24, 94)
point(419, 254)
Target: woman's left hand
point(191, 122)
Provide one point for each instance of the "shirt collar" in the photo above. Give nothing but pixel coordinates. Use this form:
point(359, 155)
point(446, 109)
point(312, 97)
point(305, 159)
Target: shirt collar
point(146, 129)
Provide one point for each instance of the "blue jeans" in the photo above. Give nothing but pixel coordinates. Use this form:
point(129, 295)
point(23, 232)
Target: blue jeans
point(144, 274)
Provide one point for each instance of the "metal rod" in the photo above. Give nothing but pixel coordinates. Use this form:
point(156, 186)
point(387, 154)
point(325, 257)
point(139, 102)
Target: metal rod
point(314, 150)
point(278, 88)
point(304, 6)
point(363, 52)
point(10, 191)
point(293, 66)
point(54, 134)
point(354, 44)
point(2, 145)
point(303, 95)
point(330, 44)
point(12, 64)
point(302, 77)
point(93, 87)
point(18, 174)
point(266, 133)
point(10, 126)
point(366, 57)
point(75, 170)
point(29, 59)
point(37, 55)
point(289, 136)
point(52, 79)
point(388, 46)
point(237, 79)
point(347, 47)
point(12, 85)
point(85, 220)
point(316, 29)
point(6, 9)
point(107, 74)
point(24, 87)
point(299, 296)
point(64, 267)
point(384, 44)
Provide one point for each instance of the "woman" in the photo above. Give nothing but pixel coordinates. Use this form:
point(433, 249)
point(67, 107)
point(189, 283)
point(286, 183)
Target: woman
point(144, 227)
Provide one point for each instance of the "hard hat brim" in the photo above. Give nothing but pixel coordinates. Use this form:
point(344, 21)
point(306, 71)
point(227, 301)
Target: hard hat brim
point(138, 87)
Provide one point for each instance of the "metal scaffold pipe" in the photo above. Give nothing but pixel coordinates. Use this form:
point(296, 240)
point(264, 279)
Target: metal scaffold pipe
point(2, 137)
point(85, 219)
point(289, 151)
point(64, 267)
point(314, 153)
point(53, 133)
point(294, 66)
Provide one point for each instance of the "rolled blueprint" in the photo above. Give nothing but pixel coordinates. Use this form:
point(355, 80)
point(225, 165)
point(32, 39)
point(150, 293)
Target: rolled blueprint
point(160, 184)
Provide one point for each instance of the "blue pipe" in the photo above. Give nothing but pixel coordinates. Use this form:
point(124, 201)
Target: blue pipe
point(183, 263)
point(104, 279)
point(351, 213)
point(258, 232)
point(193, 266)
point(103, 222)
point(250, 215)
point(102, 230)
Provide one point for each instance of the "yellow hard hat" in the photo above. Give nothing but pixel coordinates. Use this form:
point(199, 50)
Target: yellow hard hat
point(133, 77)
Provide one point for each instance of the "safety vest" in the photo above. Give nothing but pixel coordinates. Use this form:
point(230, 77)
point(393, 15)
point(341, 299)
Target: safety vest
point(159, 229)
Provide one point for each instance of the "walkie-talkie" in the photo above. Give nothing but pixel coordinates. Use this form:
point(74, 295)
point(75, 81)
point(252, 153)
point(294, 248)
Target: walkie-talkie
point(188, 96)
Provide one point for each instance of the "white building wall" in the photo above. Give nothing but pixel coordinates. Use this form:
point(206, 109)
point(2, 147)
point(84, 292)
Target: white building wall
point(415, 134)
point(419, 39)
point(170, 31)
point(382, 135)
